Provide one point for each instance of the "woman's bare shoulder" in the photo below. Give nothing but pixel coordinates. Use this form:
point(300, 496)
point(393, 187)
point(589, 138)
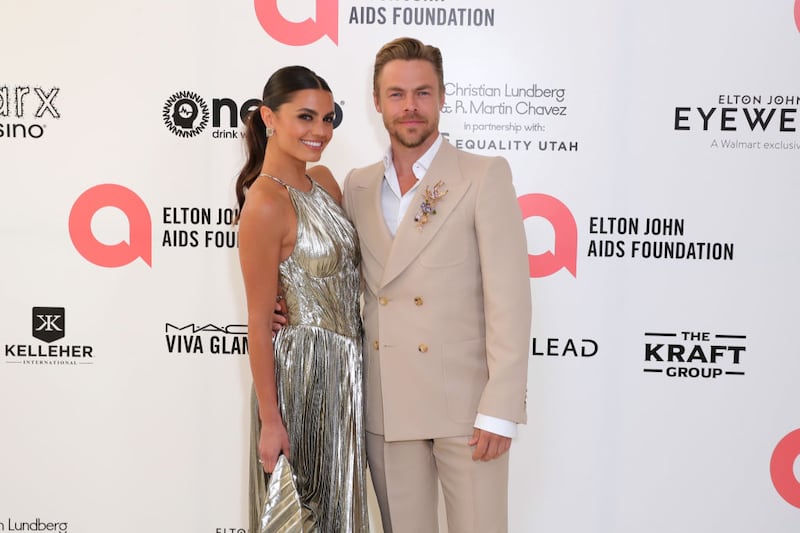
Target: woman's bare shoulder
point(324, 177)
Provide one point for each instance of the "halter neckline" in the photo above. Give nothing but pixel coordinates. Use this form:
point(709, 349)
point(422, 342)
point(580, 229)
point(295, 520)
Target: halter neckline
point(281, 182)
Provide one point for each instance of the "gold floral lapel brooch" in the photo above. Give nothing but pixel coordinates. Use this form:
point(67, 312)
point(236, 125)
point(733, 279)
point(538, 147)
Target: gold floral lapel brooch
point(428, 205)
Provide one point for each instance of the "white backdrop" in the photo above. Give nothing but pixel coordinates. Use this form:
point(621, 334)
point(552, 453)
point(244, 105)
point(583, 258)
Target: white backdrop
point(655, 154)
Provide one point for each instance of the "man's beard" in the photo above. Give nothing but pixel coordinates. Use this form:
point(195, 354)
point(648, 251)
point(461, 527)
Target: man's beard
point(415, 138)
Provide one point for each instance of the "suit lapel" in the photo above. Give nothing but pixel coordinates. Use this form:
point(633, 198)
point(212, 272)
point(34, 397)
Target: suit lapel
point(373, 233)
point(411, 240)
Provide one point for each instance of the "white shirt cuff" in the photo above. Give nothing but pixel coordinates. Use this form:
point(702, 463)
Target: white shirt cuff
point(506, 428)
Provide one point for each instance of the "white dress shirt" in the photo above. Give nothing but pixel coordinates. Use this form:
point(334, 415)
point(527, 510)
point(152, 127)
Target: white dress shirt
point(394, 206)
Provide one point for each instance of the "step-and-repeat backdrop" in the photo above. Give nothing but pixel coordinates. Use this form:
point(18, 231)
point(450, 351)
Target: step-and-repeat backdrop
point(656, 158)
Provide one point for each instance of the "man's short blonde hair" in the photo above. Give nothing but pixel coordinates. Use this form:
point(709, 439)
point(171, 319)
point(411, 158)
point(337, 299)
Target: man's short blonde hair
point(408, 49)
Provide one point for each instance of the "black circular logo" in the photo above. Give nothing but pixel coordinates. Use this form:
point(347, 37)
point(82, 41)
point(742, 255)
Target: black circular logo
point(185, 114)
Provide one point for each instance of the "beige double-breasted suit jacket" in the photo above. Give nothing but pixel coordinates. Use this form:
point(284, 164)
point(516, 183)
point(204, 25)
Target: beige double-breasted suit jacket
point(447, 308)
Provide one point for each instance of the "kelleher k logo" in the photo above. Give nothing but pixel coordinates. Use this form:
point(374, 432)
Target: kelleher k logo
point(299, 33)
point(48, 323)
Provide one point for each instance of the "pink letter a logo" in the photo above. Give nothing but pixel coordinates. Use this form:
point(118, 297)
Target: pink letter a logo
point(299, 33)
point(122, 253)
point(797, 14)
point(781, 468)
point(566, 232)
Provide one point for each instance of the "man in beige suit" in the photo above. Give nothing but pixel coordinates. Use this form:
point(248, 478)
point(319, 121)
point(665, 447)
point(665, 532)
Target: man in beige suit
point(447, 309)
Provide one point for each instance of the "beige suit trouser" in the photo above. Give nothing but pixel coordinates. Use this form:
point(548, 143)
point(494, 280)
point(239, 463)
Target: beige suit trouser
point(405, 474)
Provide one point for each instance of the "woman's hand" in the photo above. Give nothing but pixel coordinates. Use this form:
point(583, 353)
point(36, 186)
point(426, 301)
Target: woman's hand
point(274, 440)
point(279, 315)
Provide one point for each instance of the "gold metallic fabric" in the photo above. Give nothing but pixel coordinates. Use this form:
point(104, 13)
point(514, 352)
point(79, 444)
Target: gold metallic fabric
point(282, 511)
point(318, 373)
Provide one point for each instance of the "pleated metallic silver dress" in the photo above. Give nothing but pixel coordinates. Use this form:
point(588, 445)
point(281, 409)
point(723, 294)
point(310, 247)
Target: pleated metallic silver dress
point(318, 367)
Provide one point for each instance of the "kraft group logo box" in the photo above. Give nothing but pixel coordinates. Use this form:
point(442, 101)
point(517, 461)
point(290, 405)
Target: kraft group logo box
point(694, 354)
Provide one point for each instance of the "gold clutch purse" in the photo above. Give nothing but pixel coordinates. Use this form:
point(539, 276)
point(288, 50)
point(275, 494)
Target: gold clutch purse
point(282, 511)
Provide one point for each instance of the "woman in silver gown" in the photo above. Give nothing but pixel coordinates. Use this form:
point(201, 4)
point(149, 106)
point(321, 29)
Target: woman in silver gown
point(296, 245)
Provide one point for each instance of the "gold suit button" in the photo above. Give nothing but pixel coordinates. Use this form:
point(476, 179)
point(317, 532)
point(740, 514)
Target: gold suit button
point(376, 345)
point(383, 300)
point(418, 300)
point(423, 348)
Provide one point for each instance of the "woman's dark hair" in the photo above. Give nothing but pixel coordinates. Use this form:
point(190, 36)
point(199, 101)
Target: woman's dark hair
point(278, 90)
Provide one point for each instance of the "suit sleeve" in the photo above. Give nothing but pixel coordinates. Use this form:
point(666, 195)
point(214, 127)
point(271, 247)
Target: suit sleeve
point(503, 250)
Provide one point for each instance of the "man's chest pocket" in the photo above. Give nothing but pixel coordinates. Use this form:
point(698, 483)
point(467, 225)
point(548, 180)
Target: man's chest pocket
point(448, 248)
